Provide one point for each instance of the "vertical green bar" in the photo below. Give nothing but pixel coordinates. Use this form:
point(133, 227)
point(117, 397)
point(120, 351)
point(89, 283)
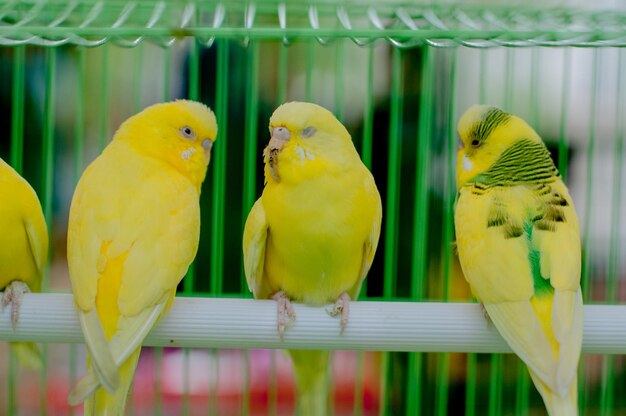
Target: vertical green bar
point(368, 114)
point(16, 161)
point(420, 228)
point(193, 93)
point(48, 143)
point(158, 352)
point(495, 386)
point(497, 367)
point(612, 287)
point(589, 180)
point(441, 397)
point(13, 382)
point(470, 385)
point(47, 188)
point(366, 156)
point(339, 78)
point(563, 142)
point(104, 98)
point(79, 145)
point(522, 387)
point(219, 191)
point(137, 76)
point(310, 60)
point(79, 115)
point(391, 209)
point(281, 97)
point(250, 153)
point(167, 71)
point(17, 108)
point(136, 107)
point(393, 180)
point(249, 178)
point(472, 359)
point(281, 90)
point(219, 166)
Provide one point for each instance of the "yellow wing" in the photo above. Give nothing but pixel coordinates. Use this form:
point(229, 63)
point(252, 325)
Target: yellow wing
point(520, 251)
point(134, 230)
point(254, 243)
point(370, 245)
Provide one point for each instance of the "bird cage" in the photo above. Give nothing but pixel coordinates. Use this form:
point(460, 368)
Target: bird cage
point(398, 75)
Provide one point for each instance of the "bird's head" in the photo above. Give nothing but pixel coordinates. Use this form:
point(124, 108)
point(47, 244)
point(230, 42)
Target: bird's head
point(485, 133)
point(304, 137)
point(180, 133)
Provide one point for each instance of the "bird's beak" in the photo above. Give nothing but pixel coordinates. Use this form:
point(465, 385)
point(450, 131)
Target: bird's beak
point(280, 136)
point(207, 145)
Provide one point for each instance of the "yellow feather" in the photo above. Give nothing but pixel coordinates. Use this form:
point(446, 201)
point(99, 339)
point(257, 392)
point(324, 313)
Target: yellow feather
point(133, 232)
point(23, 246)
point(519, 246)
point(314, 231)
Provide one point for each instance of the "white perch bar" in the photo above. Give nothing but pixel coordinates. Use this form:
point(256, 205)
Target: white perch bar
point(373, 326)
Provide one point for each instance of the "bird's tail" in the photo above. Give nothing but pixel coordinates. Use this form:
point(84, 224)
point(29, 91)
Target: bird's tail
point(557, 405)
point(28, 355)
point(311, 369)
point(104, 404)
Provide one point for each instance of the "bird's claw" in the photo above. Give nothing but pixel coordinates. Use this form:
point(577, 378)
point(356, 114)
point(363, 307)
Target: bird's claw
point(13, 294)
point(286, 313)
point(342, 308)
point(486, 316)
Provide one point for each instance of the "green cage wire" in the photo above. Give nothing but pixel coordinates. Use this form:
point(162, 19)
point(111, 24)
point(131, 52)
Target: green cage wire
point(398, 75)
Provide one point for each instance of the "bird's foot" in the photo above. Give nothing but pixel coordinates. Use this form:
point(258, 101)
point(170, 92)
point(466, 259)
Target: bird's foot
point(286, 313)
point(342, 308)
point(12, 295)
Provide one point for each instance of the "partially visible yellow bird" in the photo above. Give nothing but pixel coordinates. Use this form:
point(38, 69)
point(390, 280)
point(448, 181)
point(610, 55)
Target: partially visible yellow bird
point(23, 250)
point(312, 235)
point(519, 245)
point(133, 232)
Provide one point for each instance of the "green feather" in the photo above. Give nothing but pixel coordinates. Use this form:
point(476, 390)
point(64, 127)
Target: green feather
point(541, 285)
point(526, 161)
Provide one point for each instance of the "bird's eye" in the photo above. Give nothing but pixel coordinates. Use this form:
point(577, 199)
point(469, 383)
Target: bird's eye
point(187, 132)
point(308, 132)
point(475, 142)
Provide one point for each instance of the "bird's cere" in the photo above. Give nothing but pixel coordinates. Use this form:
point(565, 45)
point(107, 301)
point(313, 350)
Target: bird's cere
point(467, 164)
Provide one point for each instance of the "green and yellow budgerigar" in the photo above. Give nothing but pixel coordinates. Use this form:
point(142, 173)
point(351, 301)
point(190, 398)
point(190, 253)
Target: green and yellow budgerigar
point(133, 232)
point(519, 246)
point(312, 235)
point(23, 250)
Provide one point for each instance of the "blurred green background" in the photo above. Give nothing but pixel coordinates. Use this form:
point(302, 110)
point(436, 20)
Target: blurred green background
point(398, 76)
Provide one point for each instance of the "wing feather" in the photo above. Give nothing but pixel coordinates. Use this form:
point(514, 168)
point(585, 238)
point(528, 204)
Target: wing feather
point(254, 243)
point(98, 348)
point(499, 264)
point(130, 335)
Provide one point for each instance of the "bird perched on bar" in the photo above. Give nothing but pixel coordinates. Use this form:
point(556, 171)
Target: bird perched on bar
point(519, 246)
point(312, 235)
point(133, 232)
point(23, 251)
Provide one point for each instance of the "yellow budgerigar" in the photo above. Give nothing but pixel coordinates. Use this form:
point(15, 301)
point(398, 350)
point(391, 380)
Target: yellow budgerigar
point(23, 250)
point(519, 246)
point(312, 235)
point(133, 232)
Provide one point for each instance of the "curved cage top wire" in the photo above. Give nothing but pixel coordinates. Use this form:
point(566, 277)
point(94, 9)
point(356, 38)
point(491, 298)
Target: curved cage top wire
point(128, 23)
